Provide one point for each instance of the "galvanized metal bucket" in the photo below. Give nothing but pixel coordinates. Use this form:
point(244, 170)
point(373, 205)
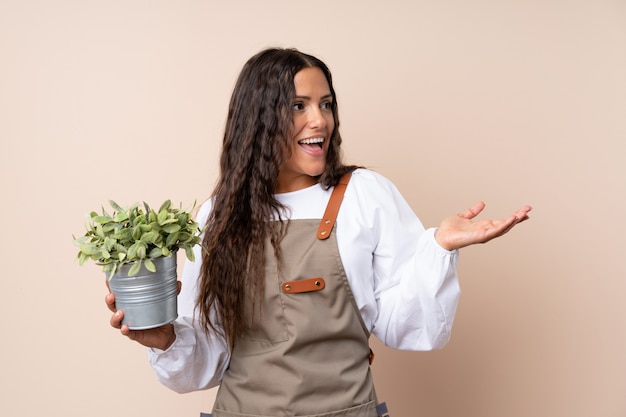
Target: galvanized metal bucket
point(148, 299)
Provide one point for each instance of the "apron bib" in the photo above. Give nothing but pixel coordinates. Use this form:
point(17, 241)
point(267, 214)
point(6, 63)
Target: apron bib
point(306, 353)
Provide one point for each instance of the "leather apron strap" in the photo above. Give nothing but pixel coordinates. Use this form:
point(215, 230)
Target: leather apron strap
point(332, 209)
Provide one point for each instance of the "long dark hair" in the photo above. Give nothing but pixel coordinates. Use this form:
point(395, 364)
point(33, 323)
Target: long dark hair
point(255, 147)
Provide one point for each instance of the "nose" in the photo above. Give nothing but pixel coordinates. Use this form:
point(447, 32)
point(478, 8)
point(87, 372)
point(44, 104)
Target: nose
point(317, 119)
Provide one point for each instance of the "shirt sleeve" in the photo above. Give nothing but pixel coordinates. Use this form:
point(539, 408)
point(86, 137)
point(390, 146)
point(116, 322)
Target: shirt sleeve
point(408, 291)
point(195, 361)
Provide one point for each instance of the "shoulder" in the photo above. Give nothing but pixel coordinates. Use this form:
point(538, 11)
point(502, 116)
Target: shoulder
point(365, 182)
point(202, 212)
point(375, 197)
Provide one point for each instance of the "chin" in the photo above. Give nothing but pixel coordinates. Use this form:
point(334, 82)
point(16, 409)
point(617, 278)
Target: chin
point(316, 174)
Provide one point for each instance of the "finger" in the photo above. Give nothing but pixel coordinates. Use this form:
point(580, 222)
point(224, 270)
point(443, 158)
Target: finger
point(180, 285)
point(138, 336)
point(116, 319)
point(473, 211)
point(522, 214)
point(506, 225)
point(127, 332)
point(496, 228)
point(109, 299)
point(131, 334)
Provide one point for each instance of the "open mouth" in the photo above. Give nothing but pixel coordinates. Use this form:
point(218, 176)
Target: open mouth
point(312, 142)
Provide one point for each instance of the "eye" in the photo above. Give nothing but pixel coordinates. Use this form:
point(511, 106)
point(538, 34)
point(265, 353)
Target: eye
point(297, 106)
point(327, 105)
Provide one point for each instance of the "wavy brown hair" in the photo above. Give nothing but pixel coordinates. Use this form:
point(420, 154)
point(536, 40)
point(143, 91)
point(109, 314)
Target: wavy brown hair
point(256, 142)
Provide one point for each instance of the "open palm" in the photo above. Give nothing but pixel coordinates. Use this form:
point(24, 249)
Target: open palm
point(458, 231)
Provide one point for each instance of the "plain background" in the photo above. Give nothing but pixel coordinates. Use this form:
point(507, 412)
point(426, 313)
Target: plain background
point(511, 102)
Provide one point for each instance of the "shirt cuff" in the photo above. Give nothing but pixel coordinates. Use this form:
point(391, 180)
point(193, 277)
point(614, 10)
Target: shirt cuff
point(430, 233)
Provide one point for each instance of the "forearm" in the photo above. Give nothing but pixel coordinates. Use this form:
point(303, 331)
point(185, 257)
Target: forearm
point(418, 311)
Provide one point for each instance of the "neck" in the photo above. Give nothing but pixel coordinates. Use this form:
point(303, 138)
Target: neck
point(287, 185)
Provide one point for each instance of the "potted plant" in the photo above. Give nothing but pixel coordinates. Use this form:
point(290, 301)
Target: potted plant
point(136, 247)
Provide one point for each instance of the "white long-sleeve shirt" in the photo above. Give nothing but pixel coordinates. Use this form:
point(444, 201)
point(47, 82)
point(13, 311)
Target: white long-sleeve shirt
point(404, 283)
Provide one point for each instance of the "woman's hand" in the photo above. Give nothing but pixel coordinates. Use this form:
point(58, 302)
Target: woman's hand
point(456, 232)
point(160, 337)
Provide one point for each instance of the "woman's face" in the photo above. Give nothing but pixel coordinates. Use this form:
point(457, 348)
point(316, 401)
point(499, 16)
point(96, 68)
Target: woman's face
point(313, 124)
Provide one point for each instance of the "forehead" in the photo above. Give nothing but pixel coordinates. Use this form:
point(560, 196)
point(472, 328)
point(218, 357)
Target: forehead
point(311, 80)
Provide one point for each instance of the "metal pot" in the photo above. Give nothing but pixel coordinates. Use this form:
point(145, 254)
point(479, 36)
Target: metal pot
point(148, 299)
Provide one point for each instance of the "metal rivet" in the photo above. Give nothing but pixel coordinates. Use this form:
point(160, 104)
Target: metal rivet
point(288, 287)
point(327, 222)
point(323, 232)
point(317, 283)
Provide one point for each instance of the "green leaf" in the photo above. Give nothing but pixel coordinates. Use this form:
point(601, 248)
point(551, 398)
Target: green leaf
point(150, 237)
point(110, 227)
point(171, 239)
point(189, 253)
point(134, 269)
point(162, 216)
point(102, 219)
point(137, 232)
point(123, 234)
point(141, 250)
point(121, 217)
point(82, 257)
point(183, 218)
point(149, 265)
point(109, 243)
point(165, 206)
point(171, 228)
point(132, 251)
point(155, 226)
point(88, 249)
point(155, 253)
point(115, 206)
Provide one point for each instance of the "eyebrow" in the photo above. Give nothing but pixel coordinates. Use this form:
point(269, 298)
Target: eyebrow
point(309, 98)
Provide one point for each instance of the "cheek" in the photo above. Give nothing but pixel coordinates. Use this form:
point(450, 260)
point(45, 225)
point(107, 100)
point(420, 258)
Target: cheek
point(330, 122)
point(298, 123)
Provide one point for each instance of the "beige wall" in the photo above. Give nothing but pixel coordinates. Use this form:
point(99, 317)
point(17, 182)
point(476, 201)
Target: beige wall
point(456, 101)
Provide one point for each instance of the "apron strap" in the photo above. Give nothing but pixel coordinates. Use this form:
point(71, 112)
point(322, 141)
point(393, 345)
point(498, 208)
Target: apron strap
point(330, 215)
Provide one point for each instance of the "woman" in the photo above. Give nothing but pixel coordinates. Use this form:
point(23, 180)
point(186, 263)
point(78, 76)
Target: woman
point(285, 302)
